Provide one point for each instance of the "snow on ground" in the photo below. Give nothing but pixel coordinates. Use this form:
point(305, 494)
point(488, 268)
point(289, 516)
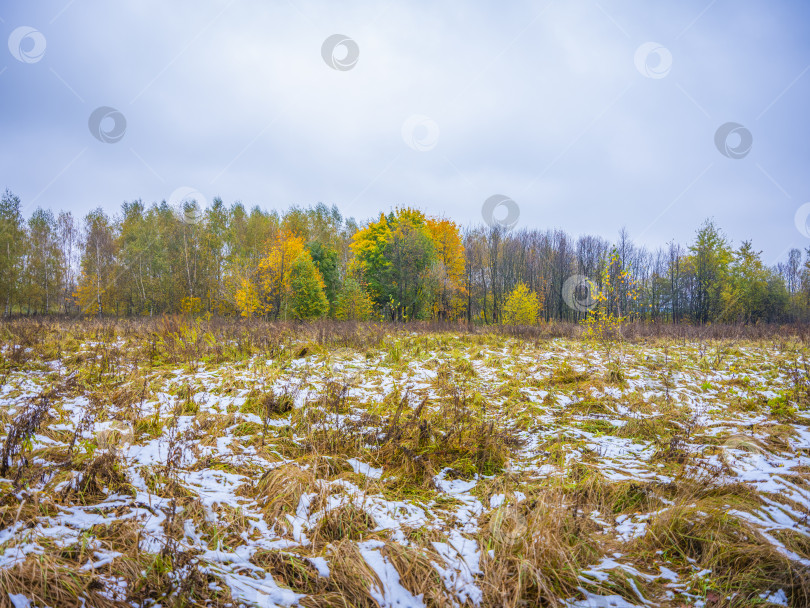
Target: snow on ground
point(196, 435)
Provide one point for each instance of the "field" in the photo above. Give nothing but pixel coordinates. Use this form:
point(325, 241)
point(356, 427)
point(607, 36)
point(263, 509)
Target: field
point(181, 463)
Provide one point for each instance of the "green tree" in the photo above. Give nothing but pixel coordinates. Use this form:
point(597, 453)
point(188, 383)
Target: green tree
point(396, 256)
point(43, 265)
point(96, 289)
point(710, 259)
point(755, 292)
point(308, 295)
point(12, 246)
point(68, 240)
point(746, 294)
point(134, 255)
point(353, 302)
point(215, 246)
point(325, 258)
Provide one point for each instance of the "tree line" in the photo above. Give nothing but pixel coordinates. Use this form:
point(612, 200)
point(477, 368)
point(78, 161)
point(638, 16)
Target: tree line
point(309, 263)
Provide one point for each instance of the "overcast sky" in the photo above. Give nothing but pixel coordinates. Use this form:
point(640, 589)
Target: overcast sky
point(589, 115)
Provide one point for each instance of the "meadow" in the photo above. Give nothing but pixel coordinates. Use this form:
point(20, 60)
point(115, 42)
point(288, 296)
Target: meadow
point(174, 462)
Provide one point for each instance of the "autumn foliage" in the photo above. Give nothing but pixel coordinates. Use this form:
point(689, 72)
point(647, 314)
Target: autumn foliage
point(522, 307)
point(412, 265)
point(405, 264)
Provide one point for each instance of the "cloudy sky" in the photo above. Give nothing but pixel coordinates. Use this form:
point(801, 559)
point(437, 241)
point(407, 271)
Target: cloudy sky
point(590, 115)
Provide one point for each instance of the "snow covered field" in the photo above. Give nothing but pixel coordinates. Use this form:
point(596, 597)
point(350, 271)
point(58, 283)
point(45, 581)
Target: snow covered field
point(423, 470)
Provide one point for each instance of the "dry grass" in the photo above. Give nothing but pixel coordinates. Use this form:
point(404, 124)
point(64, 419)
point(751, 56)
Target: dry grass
point(346, 522)
point(228, 461)
point(279, 491)
point(350, 579)
point(742, 562)
point(539, 549)
point(53, 582)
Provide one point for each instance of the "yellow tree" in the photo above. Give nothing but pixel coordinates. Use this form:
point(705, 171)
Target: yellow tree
point(368, 247)
point(285, 284)
point(246, 298)
point(275, 272)
point(87, 294)
point(522, 306)
point(450, 301)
